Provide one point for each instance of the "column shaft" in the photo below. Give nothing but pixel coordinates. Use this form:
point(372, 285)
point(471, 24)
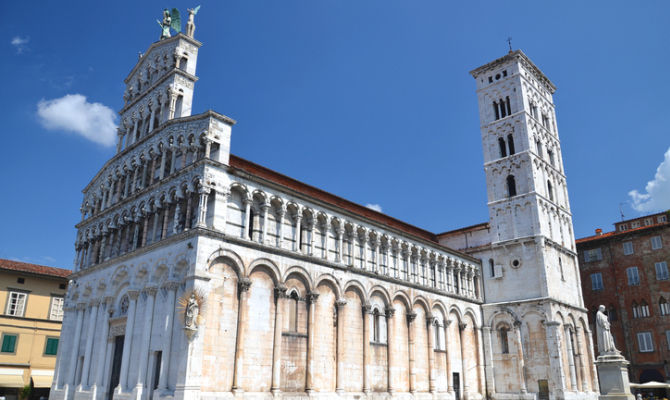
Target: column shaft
point(280, 294)
point(128, 342)
point(171, 288)
point(242, 318)
point(75, 346)
point(146, 337)
point(89, 346)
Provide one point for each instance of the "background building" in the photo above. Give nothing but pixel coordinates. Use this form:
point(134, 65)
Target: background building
point(626, 270)
point(31, 300)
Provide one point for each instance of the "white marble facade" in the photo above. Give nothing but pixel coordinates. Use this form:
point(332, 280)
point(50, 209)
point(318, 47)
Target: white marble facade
point(300, 293)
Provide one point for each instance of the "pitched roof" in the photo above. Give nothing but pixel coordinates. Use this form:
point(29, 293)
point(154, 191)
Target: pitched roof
point(35, 269)
point(283, 180)
point(617, 233)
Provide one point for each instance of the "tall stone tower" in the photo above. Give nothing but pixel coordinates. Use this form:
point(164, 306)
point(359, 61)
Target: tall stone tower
point(535, 325)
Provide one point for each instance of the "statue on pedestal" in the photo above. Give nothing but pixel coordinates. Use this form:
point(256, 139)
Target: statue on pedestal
point(190, 25)
point(191, 313)
point(605, 339)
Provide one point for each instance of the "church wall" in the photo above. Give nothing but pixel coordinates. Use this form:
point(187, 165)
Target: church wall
point(353, 341)
point(421, 348)
point(325, 345)
point(400, 347)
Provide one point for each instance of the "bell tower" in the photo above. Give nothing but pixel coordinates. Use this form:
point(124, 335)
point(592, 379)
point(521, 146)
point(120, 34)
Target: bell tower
point(532, 244)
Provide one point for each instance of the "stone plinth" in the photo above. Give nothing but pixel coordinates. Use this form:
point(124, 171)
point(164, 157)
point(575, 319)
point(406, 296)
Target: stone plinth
point(613, 375)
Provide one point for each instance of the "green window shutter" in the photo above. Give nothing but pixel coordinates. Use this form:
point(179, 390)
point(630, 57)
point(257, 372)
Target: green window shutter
point(52, 347)
point(8, 343)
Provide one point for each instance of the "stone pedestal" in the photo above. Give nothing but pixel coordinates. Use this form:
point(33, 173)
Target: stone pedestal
point(613, 376)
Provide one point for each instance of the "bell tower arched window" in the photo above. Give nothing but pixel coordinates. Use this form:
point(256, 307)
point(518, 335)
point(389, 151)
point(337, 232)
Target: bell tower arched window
point(510, 144)
point(550, 191)
point(504, 340)
point(511, 186)
point(503, 149)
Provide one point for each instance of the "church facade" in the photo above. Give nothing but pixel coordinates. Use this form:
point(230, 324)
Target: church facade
point(201, 275)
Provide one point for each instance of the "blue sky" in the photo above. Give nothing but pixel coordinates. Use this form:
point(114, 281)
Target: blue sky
point(370, 100)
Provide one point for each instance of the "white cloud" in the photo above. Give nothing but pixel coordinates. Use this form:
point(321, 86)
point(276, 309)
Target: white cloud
point(93, 121)
point(21, 44)
point(375, 207)
point(658, 190)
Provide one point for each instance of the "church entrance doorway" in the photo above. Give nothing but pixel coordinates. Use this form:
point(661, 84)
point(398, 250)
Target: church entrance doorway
point(457, 386)
point(116, 366)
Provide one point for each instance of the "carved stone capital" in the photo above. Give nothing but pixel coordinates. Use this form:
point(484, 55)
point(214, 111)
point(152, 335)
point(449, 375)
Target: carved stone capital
point(462, 326)
point(367, 308)
point(390, 311)
point(339, 303)
point(517, 324)
point(171, 285)
point(411, 316)
point(81, 306)
point(244, 284)
point(312, 297)
point(430, 320)
point(133, 294)
point(280, 292)
point(151, 290)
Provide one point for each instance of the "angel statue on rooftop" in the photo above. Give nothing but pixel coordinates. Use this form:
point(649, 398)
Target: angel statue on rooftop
point(172, 20)
point(190, 24)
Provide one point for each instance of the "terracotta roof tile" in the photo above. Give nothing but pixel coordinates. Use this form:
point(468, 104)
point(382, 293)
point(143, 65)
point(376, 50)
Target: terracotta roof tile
point(617, 233)
point(283, 180)
point(33, 268)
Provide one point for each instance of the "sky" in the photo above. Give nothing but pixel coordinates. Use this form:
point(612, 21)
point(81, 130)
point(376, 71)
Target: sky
point(369, 100)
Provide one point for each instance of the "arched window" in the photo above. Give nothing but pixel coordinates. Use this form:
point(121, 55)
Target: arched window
point(252, 217)
point(644, 309)
point(503, 149)
point(178, 106)
point(510, 144)
point(495, 109)
point(492, 268)
point(550, 191)
point(503, 109)
point(509, 109)
point(504, 340)
point(611, 313)
point(636, 310)
point(511, 186)
point(664, 306)
point(560, 266)
point(538, 145)
point(551, 157)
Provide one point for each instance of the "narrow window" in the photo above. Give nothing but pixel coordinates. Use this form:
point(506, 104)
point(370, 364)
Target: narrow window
point(8, 343)
point(492, 268)
point(627, 246)
point(636, 310)
point(51, 347)
point(503, 110)
point(293, 312)
point(644, 309)
point(495, 109)
point(656, 243)
point(661, 271)
point(510, 143)
point(551, 157)
point(504, 342)
point(664, 306)
point(611, 313)
point(596, 281)
point(56, 312)
point(550, 191)
point(633, 276)
point(511, 186)
point(538, 145)
point(509, 107)
point(560, 266)
point(645, 342)
point(16, 304)
point(503, 150)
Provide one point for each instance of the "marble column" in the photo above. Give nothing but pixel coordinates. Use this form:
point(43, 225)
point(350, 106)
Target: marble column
point(146, 338)
point(99, 384)
point(311, 298)
point(339, 255)
point(128, 341)
point(367, 356)
point(447, 340)
point(326, 229)
point(202, 207)
point(74, 353)
point(430, 327)
point(296, 237)
point(580, 359)
point(519, 354)
point(571, 360)
point(265, 207)
point(86, 370)
point(340, 378)
point(280, 221)
point(594, 374)
point(171, 291)
point(242, 319)
point(280, 295)
point(390, 349)
point(488, 362)
point(464, 360)
point(480, 362)
point(411, 316)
